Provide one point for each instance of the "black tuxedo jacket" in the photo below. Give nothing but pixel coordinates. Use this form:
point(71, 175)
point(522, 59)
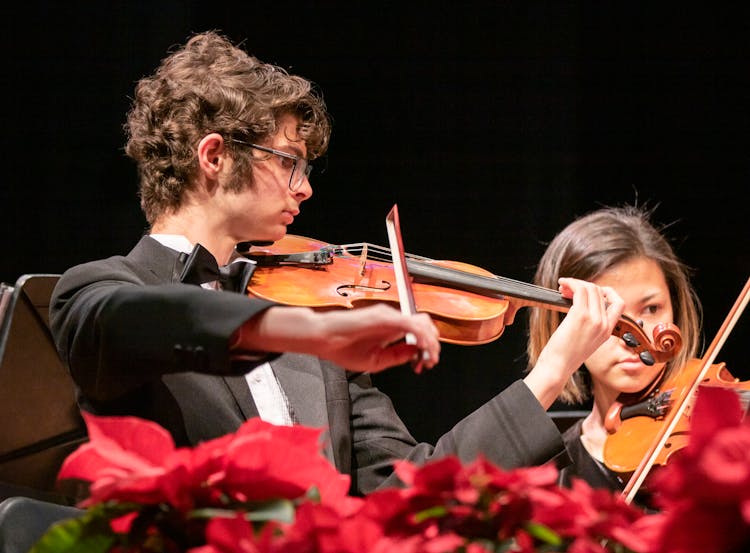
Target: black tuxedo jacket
point(138, 342)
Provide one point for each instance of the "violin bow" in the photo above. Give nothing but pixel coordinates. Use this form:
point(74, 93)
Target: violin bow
point(640, 473)
point(403, 284)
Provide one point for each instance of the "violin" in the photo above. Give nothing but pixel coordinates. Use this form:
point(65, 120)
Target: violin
point(649, 431)
point(633, 427)
point(469, 305)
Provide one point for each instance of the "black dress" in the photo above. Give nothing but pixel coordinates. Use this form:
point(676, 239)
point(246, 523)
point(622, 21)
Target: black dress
point(584, 466)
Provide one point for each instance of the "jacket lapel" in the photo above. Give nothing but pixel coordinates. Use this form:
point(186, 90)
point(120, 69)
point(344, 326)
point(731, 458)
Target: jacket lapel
point(239, 388)
point(162, 263)
point(301, 378)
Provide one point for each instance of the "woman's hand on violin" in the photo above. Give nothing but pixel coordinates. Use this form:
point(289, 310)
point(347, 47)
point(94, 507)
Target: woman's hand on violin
point(366, 339)
point(587, 325)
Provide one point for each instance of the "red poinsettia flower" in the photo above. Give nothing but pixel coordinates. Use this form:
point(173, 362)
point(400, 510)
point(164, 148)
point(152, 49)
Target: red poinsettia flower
point(263, 462)
point(480, 504)
point(704, 491)
point(716, 462)
point(231, 535)
point(130, 458)
point(134, 460)
point(316, 529)
point(588, 515)
point(268, 489)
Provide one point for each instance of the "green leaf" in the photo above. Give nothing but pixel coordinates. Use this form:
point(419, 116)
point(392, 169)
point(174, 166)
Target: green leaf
point(543, 533)
point(281, 510)
point(80, 535)
point(88, 533)
point(438, 511)
point(313, 494)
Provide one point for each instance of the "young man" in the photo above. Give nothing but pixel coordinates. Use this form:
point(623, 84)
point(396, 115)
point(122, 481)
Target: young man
point(222, 142)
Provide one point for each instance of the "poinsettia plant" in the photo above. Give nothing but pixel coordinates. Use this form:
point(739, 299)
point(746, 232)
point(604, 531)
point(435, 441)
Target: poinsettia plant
point(704, 490)
point(268, 489)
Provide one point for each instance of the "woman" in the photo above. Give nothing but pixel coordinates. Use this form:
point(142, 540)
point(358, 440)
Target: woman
point(619, 248)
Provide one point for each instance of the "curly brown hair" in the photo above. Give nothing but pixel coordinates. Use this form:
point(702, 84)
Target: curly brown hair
point(588, 247)
point(210, 85)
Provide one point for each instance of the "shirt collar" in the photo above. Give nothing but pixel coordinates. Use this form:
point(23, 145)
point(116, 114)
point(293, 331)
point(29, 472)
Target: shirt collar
point(176, 242)
point(180, 243)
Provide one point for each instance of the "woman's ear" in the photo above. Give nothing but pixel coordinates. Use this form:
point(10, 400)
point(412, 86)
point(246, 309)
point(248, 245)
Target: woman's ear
point(211, 154)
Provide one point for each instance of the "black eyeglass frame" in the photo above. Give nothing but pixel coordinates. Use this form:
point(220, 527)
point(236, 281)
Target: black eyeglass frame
point(299, 162)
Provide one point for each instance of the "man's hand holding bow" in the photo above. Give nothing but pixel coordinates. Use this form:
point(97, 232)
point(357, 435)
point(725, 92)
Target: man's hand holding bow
point(366, 339)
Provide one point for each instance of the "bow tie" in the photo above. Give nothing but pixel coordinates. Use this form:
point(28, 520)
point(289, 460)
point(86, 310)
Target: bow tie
point(202, 267)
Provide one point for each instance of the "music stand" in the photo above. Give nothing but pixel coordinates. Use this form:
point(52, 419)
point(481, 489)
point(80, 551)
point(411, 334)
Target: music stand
point(41, 421)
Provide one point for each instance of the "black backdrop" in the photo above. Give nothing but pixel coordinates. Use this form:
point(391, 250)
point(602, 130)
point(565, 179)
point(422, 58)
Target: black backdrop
point(492, 125)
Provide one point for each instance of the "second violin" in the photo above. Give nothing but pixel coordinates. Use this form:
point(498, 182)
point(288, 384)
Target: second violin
point(650, 431)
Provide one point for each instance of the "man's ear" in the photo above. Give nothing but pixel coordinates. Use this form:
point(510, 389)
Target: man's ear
point(211, 154)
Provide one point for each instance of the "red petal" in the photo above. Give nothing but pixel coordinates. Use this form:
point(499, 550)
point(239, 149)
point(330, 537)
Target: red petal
point(715, 408)
point(144, 438)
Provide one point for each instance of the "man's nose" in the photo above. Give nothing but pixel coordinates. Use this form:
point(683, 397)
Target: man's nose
point(304, 191)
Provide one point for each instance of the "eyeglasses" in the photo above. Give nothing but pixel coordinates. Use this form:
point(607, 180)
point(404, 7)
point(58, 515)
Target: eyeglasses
point(300, 167)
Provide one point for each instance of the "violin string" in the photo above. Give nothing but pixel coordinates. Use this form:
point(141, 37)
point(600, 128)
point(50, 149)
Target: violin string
point(383, 254)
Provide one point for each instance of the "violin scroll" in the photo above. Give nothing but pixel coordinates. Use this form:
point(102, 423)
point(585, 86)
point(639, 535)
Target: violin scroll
point(667, 339)
point(666, 344)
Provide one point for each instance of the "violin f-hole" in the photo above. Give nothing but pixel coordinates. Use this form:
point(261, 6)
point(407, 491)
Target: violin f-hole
point(343, 289)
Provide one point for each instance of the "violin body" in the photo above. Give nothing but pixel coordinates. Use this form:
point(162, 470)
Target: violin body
point(353, 280)
point(630, 438)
